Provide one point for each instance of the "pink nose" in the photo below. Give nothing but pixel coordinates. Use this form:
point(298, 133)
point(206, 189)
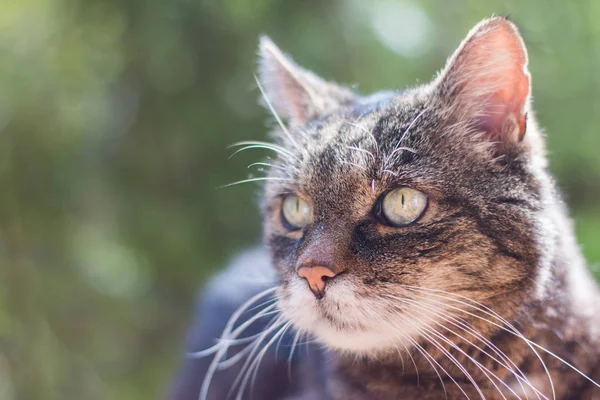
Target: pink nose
point(317, 277)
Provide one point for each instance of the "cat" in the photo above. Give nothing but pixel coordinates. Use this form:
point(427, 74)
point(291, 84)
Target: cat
point(416, 247)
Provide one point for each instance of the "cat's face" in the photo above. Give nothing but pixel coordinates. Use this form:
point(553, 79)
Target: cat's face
point(378, 207)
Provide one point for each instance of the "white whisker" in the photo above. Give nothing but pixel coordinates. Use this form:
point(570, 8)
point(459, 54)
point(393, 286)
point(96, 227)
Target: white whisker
point(481, 367)
point(257, 179)
point(368, 132)
point(402, 148)
point(264, 164)
point(431, 360)
point(227, 341)
point(454, 361)
point(272, 326)
point(415, 364)
point(251, 365)
point(291, 355)
point(519, 375)
point(263, 145)
point(281, 334)
point(203, 395)
point(371, 155)
point(272, 109)
point(404, 135)
point(487, 311)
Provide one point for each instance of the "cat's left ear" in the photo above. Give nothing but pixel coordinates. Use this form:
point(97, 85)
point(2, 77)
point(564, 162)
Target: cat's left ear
point(296, 94)
point(487, 81)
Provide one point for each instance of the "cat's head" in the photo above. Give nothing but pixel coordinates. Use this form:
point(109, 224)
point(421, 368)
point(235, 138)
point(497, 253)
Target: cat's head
point(377, 207)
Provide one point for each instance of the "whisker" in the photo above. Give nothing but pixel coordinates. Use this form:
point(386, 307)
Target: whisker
point(223, 365)
point(279, 343)
point(273, 325)
point(397, 149)
point(363, 151)
point(272, 109)
point(220, 344)
point(519, 375)
point(265, 164)
point(401, 358)
point(368, 132)
point(263, 313)
point(482, 308)
point(257, 179)
point(248, 145)
point(281, 333)
point(415, 364)
point(239, 355)
point(227, 341)
point(291, 355)
point(481, 367)
point(264, 303)
point(252, 363)
point(269, 145)
point(404, 134)
point(431, 360)
point(454, 361)
point(203, 395)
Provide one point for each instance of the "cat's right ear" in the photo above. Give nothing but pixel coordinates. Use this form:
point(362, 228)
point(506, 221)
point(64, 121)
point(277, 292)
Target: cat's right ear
point(487, 81)
point(296, 94)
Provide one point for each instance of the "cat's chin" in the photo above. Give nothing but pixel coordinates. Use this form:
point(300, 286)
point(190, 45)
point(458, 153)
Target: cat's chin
point(344, 322)
point(359, 342)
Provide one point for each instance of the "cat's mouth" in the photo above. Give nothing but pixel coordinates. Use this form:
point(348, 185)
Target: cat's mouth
point(334, 314)
point(344, 320)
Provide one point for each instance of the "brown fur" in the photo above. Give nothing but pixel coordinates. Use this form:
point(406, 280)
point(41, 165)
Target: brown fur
point(485, 296)
point(495, 230)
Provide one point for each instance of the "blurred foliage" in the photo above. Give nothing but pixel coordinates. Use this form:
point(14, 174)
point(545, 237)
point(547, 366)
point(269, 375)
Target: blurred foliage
point(114, 122)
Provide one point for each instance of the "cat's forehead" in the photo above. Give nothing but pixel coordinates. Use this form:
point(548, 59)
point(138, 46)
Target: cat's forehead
point(371, 122)
point(359, 152)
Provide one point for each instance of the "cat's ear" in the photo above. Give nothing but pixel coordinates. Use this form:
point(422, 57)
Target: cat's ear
point(487, 81)
point(296, 94)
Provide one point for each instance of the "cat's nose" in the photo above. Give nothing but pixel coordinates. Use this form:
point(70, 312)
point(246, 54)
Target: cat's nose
point(317, 277)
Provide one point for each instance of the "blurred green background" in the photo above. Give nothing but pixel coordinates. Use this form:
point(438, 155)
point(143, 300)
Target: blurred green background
point(114, 121)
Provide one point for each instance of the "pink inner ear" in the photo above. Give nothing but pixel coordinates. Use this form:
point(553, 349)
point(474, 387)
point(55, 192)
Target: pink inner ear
point(504, 111)
point(297, 94)
point(492, 77)
point(292, 96)
point(280, 77)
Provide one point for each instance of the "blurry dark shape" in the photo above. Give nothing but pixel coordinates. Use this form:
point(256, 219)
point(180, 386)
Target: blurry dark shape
point(225, 294)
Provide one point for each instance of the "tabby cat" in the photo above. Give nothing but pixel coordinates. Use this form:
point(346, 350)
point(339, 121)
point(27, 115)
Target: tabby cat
point(416, 247)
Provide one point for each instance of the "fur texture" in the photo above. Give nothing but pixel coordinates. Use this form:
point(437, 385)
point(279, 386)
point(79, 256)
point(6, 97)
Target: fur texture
point(486, 295)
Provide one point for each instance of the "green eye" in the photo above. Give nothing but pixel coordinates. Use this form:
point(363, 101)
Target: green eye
point(402, 206)
point(296, 213)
